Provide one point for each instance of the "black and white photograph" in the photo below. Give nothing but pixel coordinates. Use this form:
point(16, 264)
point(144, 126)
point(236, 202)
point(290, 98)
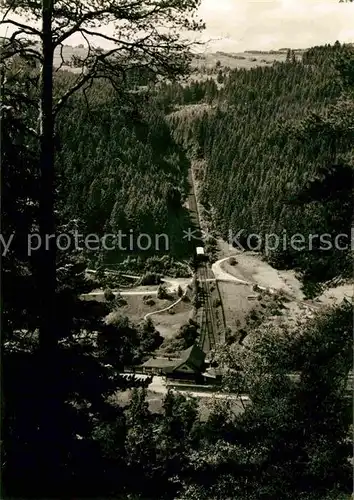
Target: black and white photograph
point(176, 249)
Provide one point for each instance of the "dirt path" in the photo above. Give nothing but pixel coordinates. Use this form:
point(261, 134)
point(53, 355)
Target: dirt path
point(172, 286)
point(166, 308)
point(236, 282)
point(223, 275)
point(159, 386)
point(251, 269)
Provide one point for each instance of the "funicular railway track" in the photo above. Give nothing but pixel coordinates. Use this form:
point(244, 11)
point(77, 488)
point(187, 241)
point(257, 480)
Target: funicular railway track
point(209, 321)
point(206, 278)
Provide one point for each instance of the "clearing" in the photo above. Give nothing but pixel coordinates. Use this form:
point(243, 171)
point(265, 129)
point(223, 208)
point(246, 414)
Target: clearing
point(169, 322)
point(240, 300)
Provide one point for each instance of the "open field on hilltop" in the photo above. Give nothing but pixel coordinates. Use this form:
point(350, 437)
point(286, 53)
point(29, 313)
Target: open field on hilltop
point(205, 61)
point(68, 52)
point(336, 294)
point(245, 60)
point(137, 305)
point(245, 307)
point(245, 310)
point(252, 268)
point(262, 274)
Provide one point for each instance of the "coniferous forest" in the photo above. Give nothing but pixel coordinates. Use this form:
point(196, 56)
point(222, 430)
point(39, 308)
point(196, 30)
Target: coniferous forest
point(112, 150)
point(277, 139)
point(126, 172)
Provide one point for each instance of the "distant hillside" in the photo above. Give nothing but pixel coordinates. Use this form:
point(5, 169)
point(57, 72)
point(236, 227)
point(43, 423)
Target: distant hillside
point(262, 148)
point(202, 62)
point(207, 63)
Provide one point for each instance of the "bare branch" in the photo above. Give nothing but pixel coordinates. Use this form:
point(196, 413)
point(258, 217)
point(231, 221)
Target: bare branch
point(85, 95)
point(138, 42)
point(23, 47)
point(134, 12)
point(79, 83)
point(84, 78)
point(98, 35)
point(61, 57)
point(89, 16)
point(25, 28)
point(6, 13)
point(88, 46)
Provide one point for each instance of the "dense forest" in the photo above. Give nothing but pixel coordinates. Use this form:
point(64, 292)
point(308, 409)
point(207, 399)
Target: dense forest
point(120, 169)
point(269, 137)
point(270, 140)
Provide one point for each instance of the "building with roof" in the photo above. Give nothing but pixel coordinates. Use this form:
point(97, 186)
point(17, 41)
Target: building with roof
point(189, 365)
point(212, 375)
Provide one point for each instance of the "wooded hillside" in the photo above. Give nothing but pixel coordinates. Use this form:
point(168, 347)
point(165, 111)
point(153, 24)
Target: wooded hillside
point(271, 134)
point(120, 169)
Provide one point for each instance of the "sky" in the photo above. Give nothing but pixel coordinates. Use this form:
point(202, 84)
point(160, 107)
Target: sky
point(238, 25)
point(266, 25)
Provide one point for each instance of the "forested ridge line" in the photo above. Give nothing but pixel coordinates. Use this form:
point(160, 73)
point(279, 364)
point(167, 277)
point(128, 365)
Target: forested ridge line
point(272, 139)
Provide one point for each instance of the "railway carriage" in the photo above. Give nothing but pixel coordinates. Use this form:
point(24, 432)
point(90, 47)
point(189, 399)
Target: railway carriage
point(200, 254)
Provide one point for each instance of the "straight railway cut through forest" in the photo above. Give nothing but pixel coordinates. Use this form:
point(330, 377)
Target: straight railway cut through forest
point(212, 321)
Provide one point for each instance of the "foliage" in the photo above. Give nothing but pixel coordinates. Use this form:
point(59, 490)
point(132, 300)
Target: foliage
point(127, 177)
point(162, 293)
point(109, 295)
point(63, 436)
point(59, 424)
point(189, 333)
point(150, 279)
point(150, 337)
point(275, 140)
point(294, 437)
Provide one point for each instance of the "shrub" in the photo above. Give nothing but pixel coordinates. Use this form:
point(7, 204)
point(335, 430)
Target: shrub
point(162, 292)
point(150, 279)
point(196, 302)
point(216, 302)
point(108, 295)
point(188, 333)
point(150, 338)
point(119, 301)
point(231, 339)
